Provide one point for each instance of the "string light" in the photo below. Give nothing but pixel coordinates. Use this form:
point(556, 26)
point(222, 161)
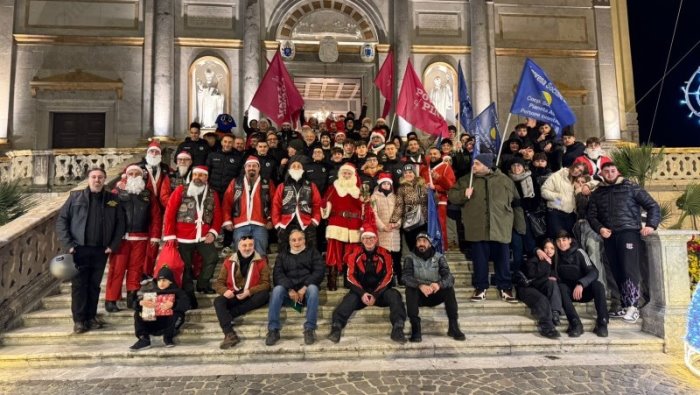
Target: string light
point(691, 94)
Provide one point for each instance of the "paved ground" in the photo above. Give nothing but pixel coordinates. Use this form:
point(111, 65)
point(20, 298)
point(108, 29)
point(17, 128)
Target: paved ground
point(613, 379)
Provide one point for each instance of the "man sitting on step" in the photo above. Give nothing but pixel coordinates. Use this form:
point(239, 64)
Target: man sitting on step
point(243, 285)
point(369, 275)
point(297, 277)
point(428, 283)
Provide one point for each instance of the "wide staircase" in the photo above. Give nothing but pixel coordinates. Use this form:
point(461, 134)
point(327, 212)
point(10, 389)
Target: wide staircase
point(493, 328)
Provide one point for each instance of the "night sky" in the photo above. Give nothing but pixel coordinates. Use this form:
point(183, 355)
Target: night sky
point(651, 29)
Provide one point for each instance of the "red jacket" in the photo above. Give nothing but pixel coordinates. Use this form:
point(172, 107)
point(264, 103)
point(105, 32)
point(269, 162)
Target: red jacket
point(185, 230)
point(283, 213)
point(257, 279)
point(593, 166)
point(360, 280)
point(257, 214)
point(445, 180)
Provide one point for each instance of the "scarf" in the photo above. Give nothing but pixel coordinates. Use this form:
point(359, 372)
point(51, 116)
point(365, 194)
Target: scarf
point(525, 182)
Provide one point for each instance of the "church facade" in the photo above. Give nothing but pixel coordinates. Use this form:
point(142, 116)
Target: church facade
point(112, 73)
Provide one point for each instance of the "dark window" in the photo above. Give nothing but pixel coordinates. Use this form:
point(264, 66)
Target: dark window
point(78, 130)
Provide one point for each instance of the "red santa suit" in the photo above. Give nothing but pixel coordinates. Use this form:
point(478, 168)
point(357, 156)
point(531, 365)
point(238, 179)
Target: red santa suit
point(188, 219)
point(443, 178)
point(158, 183)
point(345, 210)
point(143, 224)
point(593, 165)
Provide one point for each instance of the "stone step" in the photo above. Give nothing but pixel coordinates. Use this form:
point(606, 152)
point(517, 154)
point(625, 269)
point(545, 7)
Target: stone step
point(292, 326)
point(292, 348)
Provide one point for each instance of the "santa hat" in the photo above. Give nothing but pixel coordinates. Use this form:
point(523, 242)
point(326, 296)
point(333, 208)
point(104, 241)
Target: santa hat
point(183, 154)
point(252, 159)
point(348, 166)
point(377, 132)
point(340, 132)
point(385, 177)
point(369, 227)
point(154, 144)
point(201, 170)
point(381, 120)
point(133, 166)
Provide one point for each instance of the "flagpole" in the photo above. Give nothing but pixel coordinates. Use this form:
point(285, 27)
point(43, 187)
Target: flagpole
point(503, 137)
point(391, 129)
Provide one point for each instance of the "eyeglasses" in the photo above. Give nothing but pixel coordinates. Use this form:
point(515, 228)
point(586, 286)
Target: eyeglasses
point(248, 237)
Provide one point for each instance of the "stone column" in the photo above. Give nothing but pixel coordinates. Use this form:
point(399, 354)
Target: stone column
point(163, 65)
point(251, 56)
point(402, 52)
point(481, 89)
point(7, 17)
point(147, 94)
point(669, 287)
point(625, 76)
point(607, 81)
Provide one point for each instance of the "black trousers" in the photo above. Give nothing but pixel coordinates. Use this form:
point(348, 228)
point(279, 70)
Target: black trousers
point(542, 301)
point(228, 309)
point(283, 235)
point(165, 326)
point(85, 286)
point(416, 299)
point(209, 256)
point(594, 291)
point(623, 250)
point(397, 265)
point(352, 302)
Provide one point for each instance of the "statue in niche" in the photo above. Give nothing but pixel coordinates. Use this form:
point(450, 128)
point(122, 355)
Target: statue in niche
point(209, 91)
point(440, 81)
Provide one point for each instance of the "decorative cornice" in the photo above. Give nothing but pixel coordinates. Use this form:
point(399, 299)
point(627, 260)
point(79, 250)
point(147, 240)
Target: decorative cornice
point(547, 53)
point(76, 80)
point(441, 49)
point(383, 48)
point(77, 40)
point(209, 42)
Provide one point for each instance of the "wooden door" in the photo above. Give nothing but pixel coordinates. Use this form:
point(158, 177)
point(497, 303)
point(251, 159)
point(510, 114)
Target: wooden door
point(78, 130)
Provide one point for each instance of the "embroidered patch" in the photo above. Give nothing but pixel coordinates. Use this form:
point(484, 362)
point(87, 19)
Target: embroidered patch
point(629, 246)
point(112, 203)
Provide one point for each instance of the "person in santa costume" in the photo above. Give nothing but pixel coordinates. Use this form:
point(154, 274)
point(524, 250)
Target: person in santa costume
point(345, 208)
point(182, 174)
point(143, 227)
point(157, 176)
point(193, 219)
point(377, 140)
point(439, 176)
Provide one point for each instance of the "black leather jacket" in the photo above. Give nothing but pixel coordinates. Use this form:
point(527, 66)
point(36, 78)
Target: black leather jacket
point(618, 207)
point(72, 220)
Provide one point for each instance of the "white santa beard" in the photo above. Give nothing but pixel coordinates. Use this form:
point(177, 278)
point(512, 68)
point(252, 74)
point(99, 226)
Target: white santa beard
point(135, 185)
point(182, 170)
point(345, 187)
point(193, 190)
point(153, 160)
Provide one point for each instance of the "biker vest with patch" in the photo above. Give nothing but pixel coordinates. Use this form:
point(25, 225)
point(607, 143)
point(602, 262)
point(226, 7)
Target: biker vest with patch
point(136, 209)
point(238, 191)
point(187, 213)
point(289, 199)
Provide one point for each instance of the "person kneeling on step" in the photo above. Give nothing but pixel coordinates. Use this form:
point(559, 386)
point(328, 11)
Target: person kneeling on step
point(428, 283)
point(369, 274)
point(578, 279)
point(297, 276)
point(161, 309)
point(243, 285)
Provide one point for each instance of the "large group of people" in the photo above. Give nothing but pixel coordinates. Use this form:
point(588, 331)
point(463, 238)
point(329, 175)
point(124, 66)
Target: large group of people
point(346, 200)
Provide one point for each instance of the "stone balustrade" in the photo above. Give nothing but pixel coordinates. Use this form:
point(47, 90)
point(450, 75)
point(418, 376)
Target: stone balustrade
point(680, 165)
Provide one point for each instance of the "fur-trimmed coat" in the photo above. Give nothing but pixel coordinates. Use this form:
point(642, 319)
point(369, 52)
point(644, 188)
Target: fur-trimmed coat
point(410, 194)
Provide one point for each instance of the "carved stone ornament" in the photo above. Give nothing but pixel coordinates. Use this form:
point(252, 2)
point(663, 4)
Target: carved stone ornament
point(328, 50)
point(367, 53)
point(76, 81)
point(287, 50)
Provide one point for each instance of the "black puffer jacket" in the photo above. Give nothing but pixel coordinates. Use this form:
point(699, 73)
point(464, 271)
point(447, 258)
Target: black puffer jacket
point(617, 207)
point(223, 167)
point(571, 153)
point(573, 266)
point(538, 271)
point(198, 149)
point(296, 271)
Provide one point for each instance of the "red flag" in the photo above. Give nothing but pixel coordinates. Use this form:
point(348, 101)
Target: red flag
point(277, 96)
point(416, 108)
point(385, 82)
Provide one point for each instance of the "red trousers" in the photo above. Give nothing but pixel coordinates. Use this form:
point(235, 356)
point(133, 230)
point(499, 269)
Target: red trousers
point(442, 216)
point(335, 251)
point(129, 259)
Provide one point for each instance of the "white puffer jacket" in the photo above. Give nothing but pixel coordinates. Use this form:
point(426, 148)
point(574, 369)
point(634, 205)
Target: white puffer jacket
point(558, 191)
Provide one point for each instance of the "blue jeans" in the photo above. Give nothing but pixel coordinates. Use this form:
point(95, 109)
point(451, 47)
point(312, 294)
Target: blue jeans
point(258, 232)
point(280, 296)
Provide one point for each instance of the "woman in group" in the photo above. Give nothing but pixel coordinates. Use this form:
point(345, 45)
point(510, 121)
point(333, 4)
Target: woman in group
point(411, 211)
point(530, 201)
point(383, 202)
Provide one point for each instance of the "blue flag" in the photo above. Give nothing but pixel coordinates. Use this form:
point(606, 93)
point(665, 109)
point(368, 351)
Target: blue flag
point(485, 129)
point(466, 111)
point(434, 229)
point(538, 98)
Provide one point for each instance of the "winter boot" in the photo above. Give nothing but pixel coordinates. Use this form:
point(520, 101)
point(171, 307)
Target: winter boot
point(332, 278)
point(131, 299)
point(397, 334)
point(575, 328)
point(111, 307)
point(416, 336)
point(454, 332)
point(334, 336)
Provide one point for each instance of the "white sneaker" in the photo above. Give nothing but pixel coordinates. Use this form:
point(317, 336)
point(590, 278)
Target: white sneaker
point(631, 315)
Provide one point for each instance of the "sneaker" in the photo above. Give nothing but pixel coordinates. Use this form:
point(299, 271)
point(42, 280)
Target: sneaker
point(479, 295)
point(309, 336)
point(631, 315)
point(273, 336)
point(618, 312)
point(601, 330)
point(507, 296)
point(550, 333)
point(575, 328)
point(168, 341)
point(230, 340)
point(143, 343)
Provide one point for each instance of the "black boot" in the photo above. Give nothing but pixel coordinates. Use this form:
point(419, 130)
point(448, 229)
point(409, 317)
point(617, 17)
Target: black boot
point(601, 328)
point(332, 278)
point(111, 307)
point(454, 332)
point(397, 334)
point(416, 336)
point(346, 283)
point(131, 299)
point(556, 320)
point(575, 328)
point(334, 336)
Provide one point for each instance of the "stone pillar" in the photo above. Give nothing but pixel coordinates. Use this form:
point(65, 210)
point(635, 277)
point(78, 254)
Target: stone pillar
point(607, 82)
point(163, 65)
point(251, 56)
point(7, 17)
point(42, 167)
point(625, 76)
point(147, 94)
point(669, 287)
point(481, 88)
point(402, 52)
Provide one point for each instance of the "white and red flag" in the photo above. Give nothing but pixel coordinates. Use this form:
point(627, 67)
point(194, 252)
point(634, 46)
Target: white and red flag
point(277, 97)
point(415, 107)
point(384, 81)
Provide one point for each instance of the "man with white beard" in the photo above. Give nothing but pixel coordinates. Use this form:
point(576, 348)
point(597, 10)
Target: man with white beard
point(344, 208)
point(142, 225)
point(593, 158)
point(193, 220)
point(158, 183)
point(182, 174)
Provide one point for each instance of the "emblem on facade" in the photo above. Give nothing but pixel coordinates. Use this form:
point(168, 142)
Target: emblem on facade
point(367, 53)
point(287, 50)
point(328, 50)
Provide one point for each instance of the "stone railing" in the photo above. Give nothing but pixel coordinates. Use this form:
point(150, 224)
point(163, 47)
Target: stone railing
point(680, 165)
point(27, 244)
